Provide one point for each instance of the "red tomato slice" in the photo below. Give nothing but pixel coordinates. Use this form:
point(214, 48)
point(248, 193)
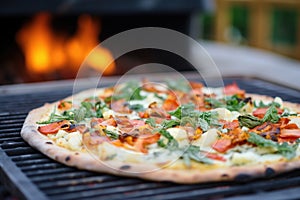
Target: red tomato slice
point(290, 133)
point(291, 126)
point(260, 112)
point(214, 156)
point(233, 89)
point(231, 125)
point(52, 128)
point(222, 145)
point(140, 144)
point(170, 104)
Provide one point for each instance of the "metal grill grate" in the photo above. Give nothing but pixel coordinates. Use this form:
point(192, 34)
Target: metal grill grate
point(31, 175)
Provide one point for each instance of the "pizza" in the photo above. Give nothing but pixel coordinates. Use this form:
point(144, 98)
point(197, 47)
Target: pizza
point(177, 131)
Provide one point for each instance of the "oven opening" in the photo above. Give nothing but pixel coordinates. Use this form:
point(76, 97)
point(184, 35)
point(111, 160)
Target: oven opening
point(45, 46)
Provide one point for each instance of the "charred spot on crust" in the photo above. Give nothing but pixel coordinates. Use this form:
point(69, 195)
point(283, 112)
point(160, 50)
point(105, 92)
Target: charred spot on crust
point(242, 177)
point(76, 153)
point(124, 167)
point(224, 176)
point(49, 143)
point(270, 172)
point(68, 158)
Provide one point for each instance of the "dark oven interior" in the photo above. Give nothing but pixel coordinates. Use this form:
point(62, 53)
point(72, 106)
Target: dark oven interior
point(49, 40)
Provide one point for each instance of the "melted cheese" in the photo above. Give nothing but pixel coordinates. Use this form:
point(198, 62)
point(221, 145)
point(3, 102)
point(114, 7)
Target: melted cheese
point(225, 114)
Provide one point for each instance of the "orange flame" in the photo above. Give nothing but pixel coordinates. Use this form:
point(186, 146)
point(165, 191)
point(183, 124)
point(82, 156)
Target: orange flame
point(46, 52)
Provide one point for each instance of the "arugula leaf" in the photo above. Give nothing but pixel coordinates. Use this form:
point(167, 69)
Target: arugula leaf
point(179, 85)
point(56, 117)
point(183, 110)
point(136, 107)
point(249, 121)
point(211, 117)
point(130, 91)
point(159, 97)
point(170, 123)
point(189, 120)
point(271, 114)
point(203, 124)
point(172, 142)
point(261, 104)
point(151, 122)
point(111, 134)
point(137, 94)
point(288, 151)
point(232, 103)
point(215, 103)
point(193, 153)
point(99, 106)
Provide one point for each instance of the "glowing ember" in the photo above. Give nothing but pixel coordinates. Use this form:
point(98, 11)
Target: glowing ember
point(46, 52)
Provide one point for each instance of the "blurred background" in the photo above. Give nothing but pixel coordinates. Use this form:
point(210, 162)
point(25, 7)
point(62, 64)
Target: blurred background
point(48, 40)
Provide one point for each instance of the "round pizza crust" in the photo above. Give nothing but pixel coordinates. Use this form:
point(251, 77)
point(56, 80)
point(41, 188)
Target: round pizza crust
point(86, 161)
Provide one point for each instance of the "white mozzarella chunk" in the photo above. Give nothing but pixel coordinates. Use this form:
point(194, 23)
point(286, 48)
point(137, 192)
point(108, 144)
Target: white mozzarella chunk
point(295, 119)
point(74, 141)
point(112, 128)
point(108, 113)
point(216, 91)
point(279, 101)
point(179, 135)
point(207, 139)
point(248, 108)
point(225, 114)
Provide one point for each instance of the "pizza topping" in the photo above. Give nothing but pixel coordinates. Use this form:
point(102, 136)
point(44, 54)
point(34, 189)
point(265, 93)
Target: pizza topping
point(179, 119)
point(53, 127)
point(233, 89)
point(222, 145)
point(288, 151)
point(232, 103)
point(192, 152)
point(64, 105)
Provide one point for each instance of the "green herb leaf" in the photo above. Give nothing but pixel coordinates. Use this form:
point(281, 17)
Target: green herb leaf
point(172, 142)
point(249, 121)
point(99, 106)
point(288, 151)
point(170, 123)
point(261, 104)
point(179, 85)
point(151, 122)
point(193, 153)
point(183, 110)
point(136, 107)
point(232, 103)
point(271, 115)
point(130, 91)
point(111, 134)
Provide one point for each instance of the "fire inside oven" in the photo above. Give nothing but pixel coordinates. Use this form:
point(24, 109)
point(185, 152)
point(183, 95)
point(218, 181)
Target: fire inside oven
point(43, 46)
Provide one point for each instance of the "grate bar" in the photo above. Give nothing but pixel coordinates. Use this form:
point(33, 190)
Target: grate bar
point(39, 172)
point(64, 176)
point(94, 191)
point(14, 179)
point(18, 158)
point(34, 167)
